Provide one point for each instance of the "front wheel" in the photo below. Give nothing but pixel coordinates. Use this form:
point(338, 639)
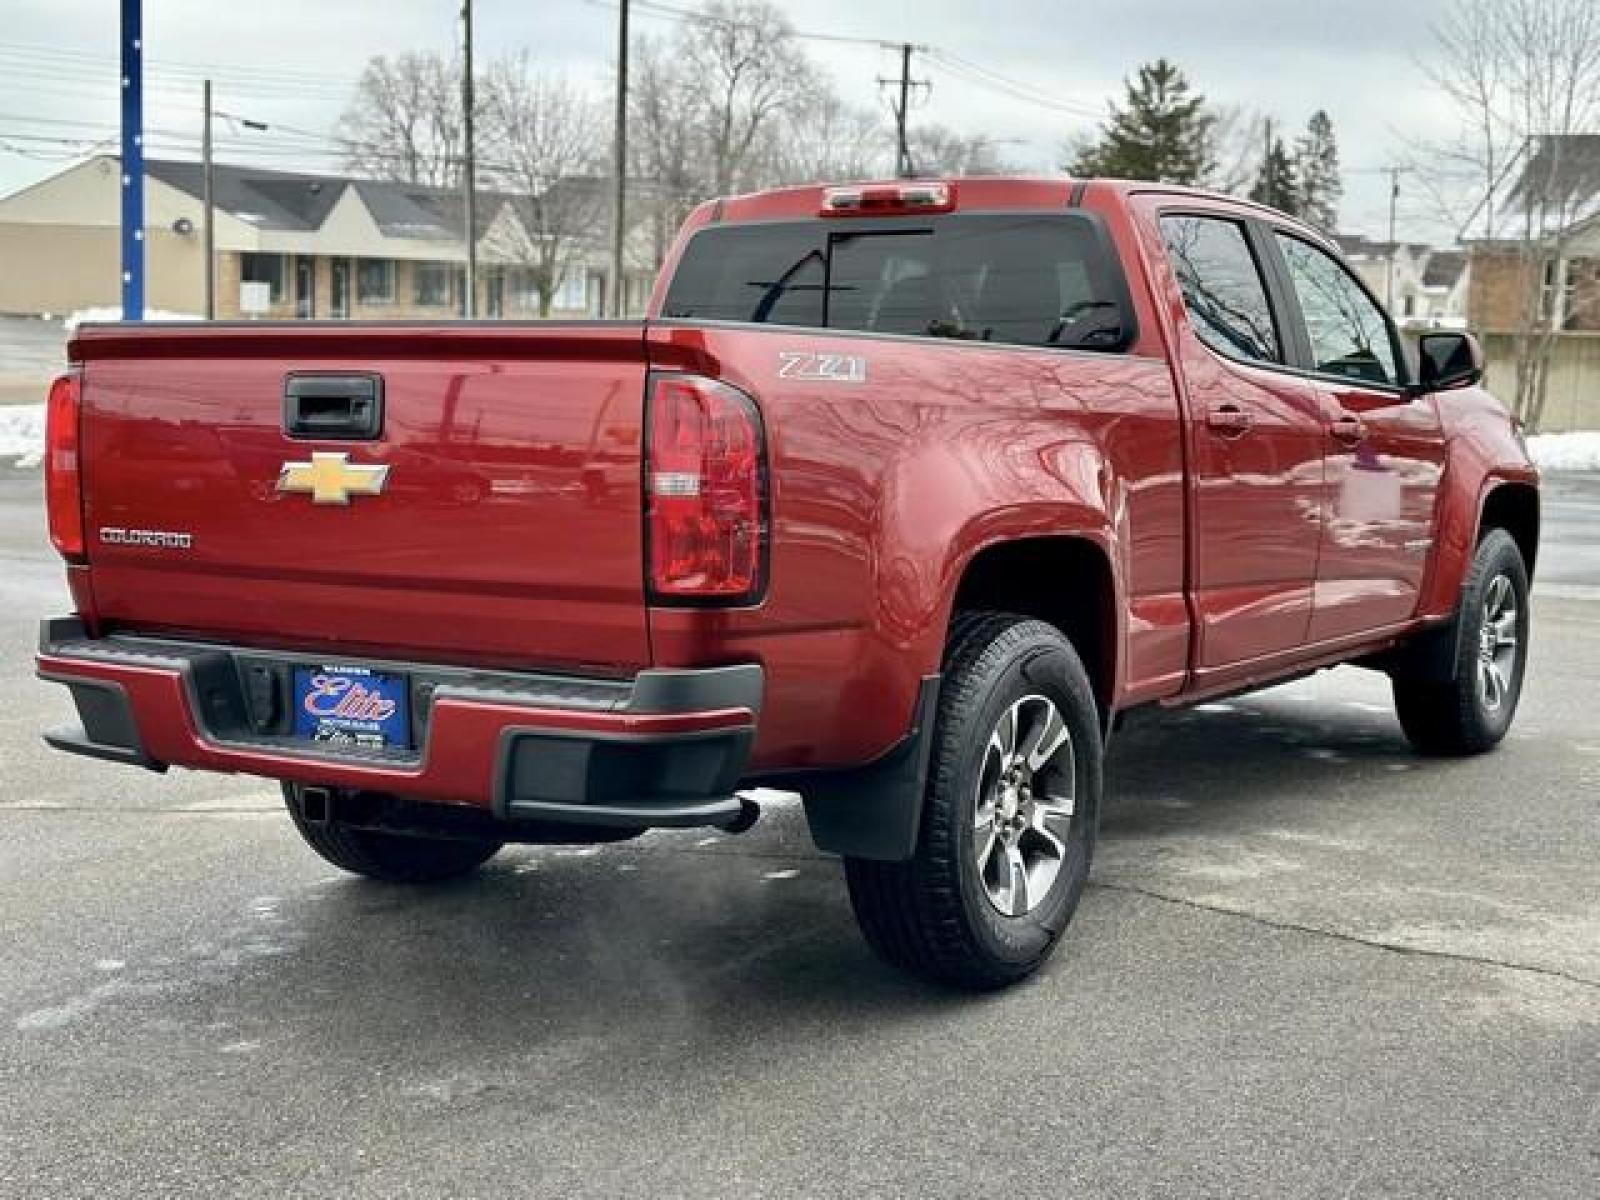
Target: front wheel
point(391, 857)
point(1009, 817)
point(1471, 712)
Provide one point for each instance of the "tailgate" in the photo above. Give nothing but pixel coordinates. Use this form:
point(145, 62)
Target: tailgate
point(507, 530)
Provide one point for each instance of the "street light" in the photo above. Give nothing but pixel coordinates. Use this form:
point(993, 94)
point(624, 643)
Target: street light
point(207, 197)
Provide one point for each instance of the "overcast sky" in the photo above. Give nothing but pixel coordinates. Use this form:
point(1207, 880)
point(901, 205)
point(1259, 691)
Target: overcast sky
point(290, 62)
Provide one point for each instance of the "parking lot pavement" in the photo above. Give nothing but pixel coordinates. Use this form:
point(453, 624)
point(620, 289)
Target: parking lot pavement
point(1310, 964)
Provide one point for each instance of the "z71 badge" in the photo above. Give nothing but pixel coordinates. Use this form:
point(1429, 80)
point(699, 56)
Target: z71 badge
point(821, 368)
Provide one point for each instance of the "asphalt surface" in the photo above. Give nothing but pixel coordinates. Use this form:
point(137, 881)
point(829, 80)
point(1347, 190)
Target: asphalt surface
point(1310, 964)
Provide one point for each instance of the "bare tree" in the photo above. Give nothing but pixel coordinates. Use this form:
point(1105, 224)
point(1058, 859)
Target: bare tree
point(1237, 135)
point(404, 121)
point(543, 147)
point(1524, 76)
point(821, 137)
point(705, 108)
point(938, 150)
point(745, 69)
point(663, 138)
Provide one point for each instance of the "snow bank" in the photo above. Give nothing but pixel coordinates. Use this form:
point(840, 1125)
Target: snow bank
point(1566, 451)
point(113, 312)
point(22, 434)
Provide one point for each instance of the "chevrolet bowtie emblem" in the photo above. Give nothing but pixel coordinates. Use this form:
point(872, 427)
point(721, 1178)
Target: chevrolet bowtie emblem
point(332, 479)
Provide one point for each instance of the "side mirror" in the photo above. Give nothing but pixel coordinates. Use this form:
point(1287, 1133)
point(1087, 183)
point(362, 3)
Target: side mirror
point(1448, 361)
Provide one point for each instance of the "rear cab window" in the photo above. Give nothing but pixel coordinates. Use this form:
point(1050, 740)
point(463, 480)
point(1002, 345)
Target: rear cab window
point(1028, 279)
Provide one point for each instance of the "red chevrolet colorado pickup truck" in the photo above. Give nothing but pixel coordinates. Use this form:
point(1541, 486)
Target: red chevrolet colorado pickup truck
point(899, 497)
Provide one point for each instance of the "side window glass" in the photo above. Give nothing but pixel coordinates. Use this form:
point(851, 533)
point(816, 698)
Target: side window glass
point(1349, 335)
point(1222, 286)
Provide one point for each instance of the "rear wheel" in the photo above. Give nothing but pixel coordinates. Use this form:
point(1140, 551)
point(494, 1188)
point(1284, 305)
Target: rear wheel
point(1009, 817)
point(1471, 712)
point(392, 857)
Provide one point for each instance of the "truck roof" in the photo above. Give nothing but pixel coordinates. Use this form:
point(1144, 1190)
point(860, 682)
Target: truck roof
point(972, 192)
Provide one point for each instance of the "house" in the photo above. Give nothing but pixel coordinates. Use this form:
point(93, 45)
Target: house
point(313, 246)
point(1422, 287)
point(1540, 276)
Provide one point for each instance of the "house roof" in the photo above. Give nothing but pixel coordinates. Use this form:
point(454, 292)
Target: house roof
point(1359, 245)
point(263, 198)
point(1562, 170)
point(1444, 268)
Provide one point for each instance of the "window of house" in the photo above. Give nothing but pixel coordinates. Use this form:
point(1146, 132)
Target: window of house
point(431, 283)
point(1222, 286)
point(573, 291)
point(270, 269)
point(1349, 334)
point(375, 280)
point(1555, 303)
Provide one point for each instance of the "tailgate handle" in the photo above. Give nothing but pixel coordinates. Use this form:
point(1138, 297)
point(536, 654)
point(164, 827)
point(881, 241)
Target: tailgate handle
point(333, 406)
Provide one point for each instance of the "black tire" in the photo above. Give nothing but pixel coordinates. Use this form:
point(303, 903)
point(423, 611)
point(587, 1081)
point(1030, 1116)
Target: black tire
point(391, 857)
point(934, 915)
point(1455, 717)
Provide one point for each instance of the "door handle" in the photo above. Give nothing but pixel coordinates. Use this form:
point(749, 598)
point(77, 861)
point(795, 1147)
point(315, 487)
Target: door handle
point(346, 407)
point(1230, 420)
point(1348, 429)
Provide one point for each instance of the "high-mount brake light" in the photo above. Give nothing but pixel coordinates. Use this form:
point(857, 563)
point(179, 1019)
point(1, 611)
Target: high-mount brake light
point(888, 199)
point(63, 466)
point(705, 493)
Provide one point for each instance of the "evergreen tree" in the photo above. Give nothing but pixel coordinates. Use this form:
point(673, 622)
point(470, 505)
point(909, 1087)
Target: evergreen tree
point(1317, 168)
point(1276, 184)
point(1162, 133)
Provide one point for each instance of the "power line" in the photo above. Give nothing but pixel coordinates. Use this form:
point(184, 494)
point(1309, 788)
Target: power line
point(984, 77)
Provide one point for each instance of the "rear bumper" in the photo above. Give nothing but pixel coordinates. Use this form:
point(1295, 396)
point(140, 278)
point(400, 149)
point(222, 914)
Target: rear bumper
point(665, 748)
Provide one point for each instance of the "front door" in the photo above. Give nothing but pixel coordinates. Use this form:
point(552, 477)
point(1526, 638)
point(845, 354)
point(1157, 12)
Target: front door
point(1255, 442)
point(305, 287)
point(339, 288)
point(1385, 448)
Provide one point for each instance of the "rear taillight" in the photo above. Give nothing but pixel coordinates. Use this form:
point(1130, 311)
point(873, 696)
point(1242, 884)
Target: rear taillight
point(705, 493)
point(63, 466)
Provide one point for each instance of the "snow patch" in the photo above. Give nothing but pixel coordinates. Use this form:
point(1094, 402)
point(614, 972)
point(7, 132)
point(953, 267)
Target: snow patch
point(22, 434)
point(1566, 451)
point(113, 312)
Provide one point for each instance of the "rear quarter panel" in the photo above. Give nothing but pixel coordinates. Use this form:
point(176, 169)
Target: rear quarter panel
point(883, 490)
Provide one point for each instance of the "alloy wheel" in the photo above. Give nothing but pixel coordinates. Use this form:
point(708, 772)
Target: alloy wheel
point(1026, 799)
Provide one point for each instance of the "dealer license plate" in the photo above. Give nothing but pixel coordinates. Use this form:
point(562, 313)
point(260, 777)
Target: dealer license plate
point(349, 705)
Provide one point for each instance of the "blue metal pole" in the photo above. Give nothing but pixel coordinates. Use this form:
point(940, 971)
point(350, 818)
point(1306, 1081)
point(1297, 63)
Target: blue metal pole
point(132, 162)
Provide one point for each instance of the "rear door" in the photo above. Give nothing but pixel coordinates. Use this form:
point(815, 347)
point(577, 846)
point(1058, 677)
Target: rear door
point(1385, 449)
point(492, 516)
point(1255, 446)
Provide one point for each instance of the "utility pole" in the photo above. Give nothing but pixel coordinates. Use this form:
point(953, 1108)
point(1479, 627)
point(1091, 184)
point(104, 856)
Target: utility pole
point(1269, 185)
point(209, 201)
point(208, 191)
point(132, 161)
point(469, 175)
point(1388, 271)
point(904, 167)
point(619, 168)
